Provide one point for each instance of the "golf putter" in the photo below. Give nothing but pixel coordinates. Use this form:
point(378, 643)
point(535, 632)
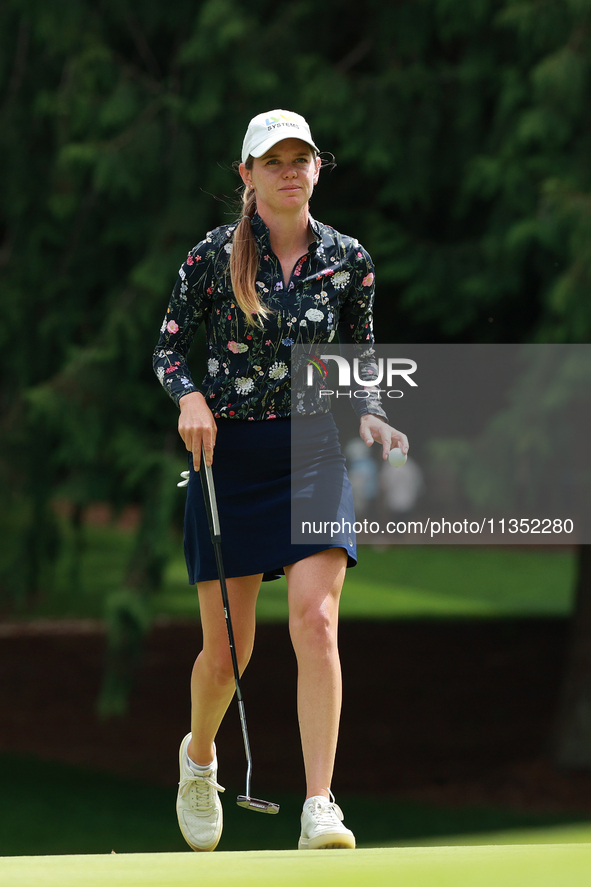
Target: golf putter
point(214, 529)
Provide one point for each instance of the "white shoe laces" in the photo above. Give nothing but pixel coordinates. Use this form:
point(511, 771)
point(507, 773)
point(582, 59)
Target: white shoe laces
point(204, 797)
point(326, 811)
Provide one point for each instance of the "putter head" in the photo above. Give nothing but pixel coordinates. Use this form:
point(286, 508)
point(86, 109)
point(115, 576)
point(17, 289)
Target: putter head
point(256, 804)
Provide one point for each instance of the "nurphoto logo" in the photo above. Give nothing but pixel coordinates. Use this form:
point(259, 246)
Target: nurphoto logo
point(399, 368)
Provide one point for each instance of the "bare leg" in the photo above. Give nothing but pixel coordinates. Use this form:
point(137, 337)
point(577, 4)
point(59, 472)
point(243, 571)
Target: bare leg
point(212, 680)
point(314, 589)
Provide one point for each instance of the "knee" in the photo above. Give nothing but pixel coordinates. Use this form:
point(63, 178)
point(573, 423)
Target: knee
point(313, 626)
point(219, 661)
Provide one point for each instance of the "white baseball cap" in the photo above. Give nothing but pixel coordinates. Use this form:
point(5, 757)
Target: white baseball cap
point(265, 130)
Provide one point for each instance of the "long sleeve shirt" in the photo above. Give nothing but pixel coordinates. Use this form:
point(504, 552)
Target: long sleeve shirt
point(249, 366)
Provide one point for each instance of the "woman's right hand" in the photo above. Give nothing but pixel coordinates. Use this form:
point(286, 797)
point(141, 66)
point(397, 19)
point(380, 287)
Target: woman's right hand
point(197, 426)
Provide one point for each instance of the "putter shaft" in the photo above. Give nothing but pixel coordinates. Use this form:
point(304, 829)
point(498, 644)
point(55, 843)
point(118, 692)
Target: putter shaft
point(214, 529)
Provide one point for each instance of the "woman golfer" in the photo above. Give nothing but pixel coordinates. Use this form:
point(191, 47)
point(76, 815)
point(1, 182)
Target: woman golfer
point(273, 279)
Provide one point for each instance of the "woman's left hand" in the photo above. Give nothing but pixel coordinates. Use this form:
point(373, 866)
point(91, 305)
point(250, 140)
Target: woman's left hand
point(372, 428)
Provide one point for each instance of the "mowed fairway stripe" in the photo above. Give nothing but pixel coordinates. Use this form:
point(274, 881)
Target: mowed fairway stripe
point(568, 865)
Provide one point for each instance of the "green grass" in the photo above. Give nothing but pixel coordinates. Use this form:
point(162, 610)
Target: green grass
point(512, 866)
point(388, 582)
point(460, 581)
point(50, 808)
point(573, 833)
point(424, 581)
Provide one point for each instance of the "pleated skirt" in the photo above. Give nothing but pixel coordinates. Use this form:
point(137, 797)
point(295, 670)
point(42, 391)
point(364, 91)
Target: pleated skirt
point(270, 477)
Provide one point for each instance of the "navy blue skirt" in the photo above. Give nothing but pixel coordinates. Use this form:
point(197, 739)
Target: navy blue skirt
point(262, 484)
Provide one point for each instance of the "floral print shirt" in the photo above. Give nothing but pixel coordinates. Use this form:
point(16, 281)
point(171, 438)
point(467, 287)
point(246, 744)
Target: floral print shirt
point(249, 367)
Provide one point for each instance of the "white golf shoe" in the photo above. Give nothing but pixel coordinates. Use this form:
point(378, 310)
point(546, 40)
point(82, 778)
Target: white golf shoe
point(198, 807)
point(322, 826)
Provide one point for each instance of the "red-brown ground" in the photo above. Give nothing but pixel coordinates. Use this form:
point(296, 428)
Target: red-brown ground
point(445, 712)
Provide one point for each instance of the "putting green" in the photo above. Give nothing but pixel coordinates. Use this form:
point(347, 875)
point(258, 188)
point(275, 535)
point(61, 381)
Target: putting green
point(568, 865)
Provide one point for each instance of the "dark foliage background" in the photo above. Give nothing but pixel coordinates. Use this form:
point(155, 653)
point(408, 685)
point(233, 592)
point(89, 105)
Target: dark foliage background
point(462, 134)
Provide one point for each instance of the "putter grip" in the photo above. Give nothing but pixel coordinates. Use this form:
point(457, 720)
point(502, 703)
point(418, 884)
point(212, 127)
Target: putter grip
point(209, 496)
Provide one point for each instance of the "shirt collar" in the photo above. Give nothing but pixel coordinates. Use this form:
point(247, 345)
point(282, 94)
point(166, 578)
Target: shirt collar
point(263, 239)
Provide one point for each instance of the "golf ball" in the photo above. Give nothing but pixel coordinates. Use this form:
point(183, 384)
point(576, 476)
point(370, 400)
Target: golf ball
point(396, 457)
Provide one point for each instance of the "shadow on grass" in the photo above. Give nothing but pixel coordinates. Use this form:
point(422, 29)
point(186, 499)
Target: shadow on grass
point(51, 809)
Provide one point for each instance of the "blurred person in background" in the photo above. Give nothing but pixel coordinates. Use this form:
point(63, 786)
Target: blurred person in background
point(362, 470)
point(400, 489)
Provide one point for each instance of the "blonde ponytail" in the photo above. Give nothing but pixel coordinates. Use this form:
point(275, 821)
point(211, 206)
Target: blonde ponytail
point(244, 262)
